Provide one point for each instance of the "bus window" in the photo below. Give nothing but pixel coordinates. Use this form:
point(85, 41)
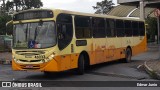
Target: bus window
point(98, 25)
point(65, 30)
point(135, 28)
point(120, 28)
point(82, 27)
point(128, 28)
point(141, 29)
point(110, 28)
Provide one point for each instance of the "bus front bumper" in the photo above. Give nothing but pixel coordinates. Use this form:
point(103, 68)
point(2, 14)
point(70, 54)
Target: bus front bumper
point(51, 66)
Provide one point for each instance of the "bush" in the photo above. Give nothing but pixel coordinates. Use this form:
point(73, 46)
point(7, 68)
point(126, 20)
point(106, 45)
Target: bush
point(3, 20)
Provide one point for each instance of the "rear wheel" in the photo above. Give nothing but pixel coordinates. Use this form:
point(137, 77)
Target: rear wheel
point(81, 65)
point(128, 55)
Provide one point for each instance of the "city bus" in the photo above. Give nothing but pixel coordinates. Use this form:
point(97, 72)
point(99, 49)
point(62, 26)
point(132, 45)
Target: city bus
point(56, 40)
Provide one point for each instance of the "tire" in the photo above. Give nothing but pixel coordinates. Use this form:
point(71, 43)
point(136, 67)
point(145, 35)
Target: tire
point(81, 65)
point(47, 73)
point(128, 55)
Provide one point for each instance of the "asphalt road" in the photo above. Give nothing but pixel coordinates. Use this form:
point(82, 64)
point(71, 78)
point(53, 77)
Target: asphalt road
point(113, 71)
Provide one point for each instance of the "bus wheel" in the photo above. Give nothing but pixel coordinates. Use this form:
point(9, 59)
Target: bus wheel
point(81, 65)
point(128, 55)
point(47, 73)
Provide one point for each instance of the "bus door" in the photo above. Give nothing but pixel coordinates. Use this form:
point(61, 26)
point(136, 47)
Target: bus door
point(65, 37)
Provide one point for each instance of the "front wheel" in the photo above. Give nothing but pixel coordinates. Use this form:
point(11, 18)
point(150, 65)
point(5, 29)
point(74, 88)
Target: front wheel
point(47, 73)
point(128, 55)
point(81, 65)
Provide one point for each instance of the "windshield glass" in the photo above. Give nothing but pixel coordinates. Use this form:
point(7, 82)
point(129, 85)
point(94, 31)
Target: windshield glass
point(34, 35)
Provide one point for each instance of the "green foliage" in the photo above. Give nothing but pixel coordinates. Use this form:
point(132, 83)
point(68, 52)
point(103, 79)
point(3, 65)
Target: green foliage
point(16, 5)
point(9, 5)
point(23, 4)
point(151, 28)
point(32, 4)
point(103, 7)
point(3, 20)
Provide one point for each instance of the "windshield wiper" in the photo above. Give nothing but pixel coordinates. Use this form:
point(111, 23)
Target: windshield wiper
point(26, 33)
point(35, 33)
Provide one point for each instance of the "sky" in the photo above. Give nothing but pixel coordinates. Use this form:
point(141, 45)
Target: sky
point(73, 5)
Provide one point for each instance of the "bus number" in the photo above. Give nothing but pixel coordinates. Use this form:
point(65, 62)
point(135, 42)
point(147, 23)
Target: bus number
point(40, 57)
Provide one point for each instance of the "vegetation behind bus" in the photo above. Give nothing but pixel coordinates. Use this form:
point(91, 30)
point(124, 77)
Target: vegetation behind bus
point(18, 5)
point(103, 7)
point(3, 20)
point(151, 29)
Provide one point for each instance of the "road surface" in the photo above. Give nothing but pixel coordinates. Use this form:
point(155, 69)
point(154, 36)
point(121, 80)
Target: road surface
point(113, 71)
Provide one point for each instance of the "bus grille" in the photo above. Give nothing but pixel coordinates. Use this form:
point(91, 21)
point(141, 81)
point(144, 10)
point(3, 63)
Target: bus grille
point(30, 60)
point(31, 67)
point(30, 52)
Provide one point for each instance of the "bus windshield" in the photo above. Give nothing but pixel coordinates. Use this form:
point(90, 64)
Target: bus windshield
point(34, 35)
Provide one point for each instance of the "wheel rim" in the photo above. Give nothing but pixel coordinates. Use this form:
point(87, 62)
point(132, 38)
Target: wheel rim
point(83, 63)
point(81, 66)
point(128, 55)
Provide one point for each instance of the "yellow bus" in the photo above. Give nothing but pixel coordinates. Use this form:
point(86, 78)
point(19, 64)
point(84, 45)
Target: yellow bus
point(57, 40)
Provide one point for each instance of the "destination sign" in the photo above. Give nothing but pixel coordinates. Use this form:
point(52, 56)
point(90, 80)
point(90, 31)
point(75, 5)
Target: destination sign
point(39, 14)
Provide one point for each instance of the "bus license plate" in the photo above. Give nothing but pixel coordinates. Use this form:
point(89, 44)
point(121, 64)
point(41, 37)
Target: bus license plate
point(29, 66)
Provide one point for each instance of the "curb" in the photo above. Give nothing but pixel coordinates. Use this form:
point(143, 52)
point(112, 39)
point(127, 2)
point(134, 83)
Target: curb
point(151, 72)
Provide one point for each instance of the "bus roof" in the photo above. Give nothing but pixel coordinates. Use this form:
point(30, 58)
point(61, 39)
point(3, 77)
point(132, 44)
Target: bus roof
point(82, 13)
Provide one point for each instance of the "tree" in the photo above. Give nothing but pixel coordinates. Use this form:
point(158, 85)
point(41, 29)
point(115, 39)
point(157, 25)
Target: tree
point(151, 28)
point(103, 7)
point(16, 5)
point(9, 6)
point(32, 4)
point(23, 4)
point(3, 20)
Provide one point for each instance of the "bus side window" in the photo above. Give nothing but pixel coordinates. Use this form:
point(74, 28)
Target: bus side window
point(98, 25)
point(110, 28)
point(135, 28)
point(65, 30)
point(83, 27)
point(141, 29)
point(120, 28)
point(128, 28)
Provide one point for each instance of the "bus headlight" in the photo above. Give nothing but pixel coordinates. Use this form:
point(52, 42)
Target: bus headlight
point(49, 58)
point(17, 60)
point(14, 58)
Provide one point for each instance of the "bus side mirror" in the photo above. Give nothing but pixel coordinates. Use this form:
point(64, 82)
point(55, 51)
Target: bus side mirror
point(60, 36)
point(40, 22)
